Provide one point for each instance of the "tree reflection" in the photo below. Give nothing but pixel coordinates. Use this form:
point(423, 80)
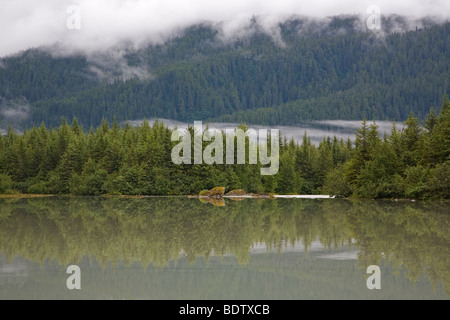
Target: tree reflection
point(413, 236)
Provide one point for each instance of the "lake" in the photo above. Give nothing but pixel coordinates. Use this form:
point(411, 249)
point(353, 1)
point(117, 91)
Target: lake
point(180, 248)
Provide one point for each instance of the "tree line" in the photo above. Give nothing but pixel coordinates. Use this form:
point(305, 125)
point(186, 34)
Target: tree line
point(128, 160)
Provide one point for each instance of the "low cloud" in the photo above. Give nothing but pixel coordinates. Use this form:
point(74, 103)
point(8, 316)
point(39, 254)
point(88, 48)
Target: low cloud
point(105, 24)
point(14, 111)
point(316, 130)
point(112, 65)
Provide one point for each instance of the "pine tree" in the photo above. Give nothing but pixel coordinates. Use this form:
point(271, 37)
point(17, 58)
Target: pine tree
point(411, 141)
point(440, 136)
point(360, 156)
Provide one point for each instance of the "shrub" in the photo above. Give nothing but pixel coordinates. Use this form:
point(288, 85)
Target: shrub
point(5, 183)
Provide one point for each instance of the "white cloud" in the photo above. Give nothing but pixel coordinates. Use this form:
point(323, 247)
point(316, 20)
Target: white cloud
point(16, 112)
point(111, 65)
point(105, 23)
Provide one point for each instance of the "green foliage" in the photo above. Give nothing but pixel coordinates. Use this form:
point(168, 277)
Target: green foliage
point(440, 136)
point(415, 180)
point(289, 179)
point(90, 184)
point(116, 184)
point(5, 183)
point(129, 160)
point(38, 188)
point(439, 182)
point(335, 183)
point(377, 178)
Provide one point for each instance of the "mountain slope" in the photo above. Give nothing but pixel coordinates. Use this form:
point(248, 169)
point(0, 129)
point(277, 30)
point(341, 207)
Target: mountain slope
point(336, 71)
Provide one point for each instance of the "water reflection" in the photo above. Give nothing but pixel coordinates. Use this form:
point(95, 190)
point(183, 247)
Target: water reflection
point(301, 244)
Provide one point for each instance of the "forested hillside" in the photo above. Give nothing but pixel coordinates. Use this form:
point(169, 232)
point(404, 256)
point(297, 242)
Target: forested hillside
point(329, 71)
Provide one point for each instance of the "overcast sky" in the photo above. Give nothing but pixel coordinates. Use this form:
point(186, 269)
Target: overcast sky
point(104, 23)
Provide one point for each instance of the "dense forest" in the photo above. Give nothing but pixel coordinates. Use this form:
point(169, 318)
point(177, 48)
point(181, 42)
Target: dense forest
point(316, 70)
point(113, 159)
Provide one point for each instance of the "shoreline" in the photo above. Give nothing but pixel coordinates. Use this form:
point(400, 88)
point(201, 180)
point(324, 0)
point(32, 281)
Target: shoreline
point(241, 197)
point(25, 195)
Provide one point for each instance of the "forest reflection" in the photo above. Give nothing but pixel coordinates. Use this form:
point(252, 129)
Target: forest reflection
point(413, 237)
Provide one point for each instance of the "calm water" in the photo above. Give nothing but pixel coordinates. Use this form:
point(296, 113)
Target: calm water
point(178, 248)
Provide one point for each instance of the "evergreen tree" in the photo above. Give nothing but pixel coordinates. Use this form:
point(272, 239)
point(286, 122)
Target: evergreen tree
point(411, 141)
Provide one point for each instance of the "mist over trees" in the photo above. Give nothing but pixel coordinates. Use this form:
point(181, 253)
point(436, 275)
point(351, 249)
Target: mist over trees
point(334, 71)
